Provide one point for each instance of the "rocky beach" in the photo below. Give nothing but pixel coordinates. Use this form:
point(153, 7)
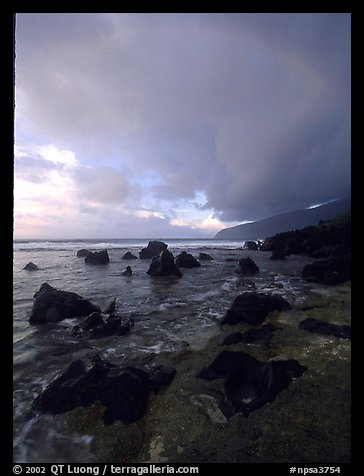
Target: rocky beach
point(201, 352)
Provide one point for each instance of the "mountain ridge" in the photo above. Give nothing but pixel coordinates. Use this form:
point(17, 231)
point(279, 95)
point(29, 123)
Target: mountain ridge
point(296, 219)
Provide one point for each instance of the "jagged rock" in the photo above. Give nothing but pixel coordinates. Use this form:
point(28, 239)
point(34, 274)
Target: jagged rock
point(253, 308)
point(95, 326)
point(250, 245)
point(205, 256)
point(52, 305)
point(124, 391)
point(329, 271)
point(317, 326)
point(97, 257)
point(154, 248)
point(249, 383)
point(164, 265)
point(111, 307)
point(129, 255)
point(247, 266)
point(186, 260)
point(31, 267)
point(128, 271)
point(93, 320)
point(83, 253)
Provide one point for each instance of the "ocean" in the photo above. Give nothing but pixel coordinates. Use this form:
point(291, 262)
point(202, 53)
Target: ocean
point(170, 314)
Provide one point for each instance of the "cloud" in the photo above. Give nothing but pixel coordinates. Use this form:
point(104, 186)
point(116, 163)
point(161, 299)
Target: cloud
point(252, 110)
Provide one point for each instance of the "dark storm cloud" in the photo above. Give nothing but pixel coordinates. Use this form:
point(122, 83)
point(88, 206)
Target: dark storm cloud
point(252, 110)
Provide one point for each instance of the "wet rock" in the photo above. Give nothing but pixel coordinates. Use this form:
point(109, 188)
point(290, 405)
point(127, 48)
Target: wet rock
point(249, 383)
point(83, 253)
point(111, 307)
point(164, 265)
point(52, 305)
point(317, 326)
point(230, 339)
point(97, 257)
point(93, 320)
point(262, 336)
point(205, 256)
point(129, 255)
point(250, 245)
point(95, 326)
point(128, 271)
point(31, 267)
point(253, 308)
point(329, 271)
point(154, 248)
point(186, 260)
point(247, 266)
point(123, 391)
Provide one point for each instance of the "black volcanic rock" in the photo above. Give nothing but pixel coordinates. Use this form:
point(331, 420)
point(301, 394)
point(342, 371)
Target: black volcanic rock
point(251, 245)
point(83, 253)
point(129, 255)
point(154, 248)
point(317, 326)
point(205, 256)
point(31, 267)
point(124, 391)
point(247, 266)
point(186, 260)
point(249, 383)
point(329, 271)
point(97, 257)
point(128, 271)
point(253, 308)
point(52, 305)
point(164, 265)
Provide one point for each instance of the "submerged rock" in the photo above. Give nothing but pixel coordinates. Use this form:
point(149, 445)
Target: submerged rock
point(96, 326)
point(97, 257)
point(31, 267)
point(128, 271)
point(52, 305)
point(317, 326)
point(205, 256)
point(164, 265)
point(230, 339)
point(249, 383)
point(129, 255)
point(123, 391)
point(329, 271)
point(253, 308)
point(247, 266)
point(262, 336)
point(186, 260)
point(154, 248)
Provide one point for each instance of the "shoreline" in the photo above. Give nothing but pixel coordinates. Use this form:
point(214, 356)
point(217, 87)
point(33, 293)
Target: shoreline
point(308, 422)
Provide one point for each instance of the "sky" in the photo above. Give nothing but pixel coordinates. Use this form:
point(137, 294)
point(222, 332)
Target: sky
point(177, 125)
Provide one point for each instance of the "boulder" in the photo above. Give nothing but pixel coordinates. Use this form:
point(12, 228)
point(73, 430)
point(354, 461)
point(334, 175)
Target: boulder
point(247, 266)
point(317, 326)
point(253, 308)
point(154, 248)
point(129, 255)
point(97, 325)
point(52, 305)
point(123, 391)
point(111, 307)
point(97, 257)
point(31, 267)
point(128, 271)
point(250, 245)
point(186, 260)
point(164, 265)
point(249, 383)
point(205, 256)
point(83, 253)
point(329, 271)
